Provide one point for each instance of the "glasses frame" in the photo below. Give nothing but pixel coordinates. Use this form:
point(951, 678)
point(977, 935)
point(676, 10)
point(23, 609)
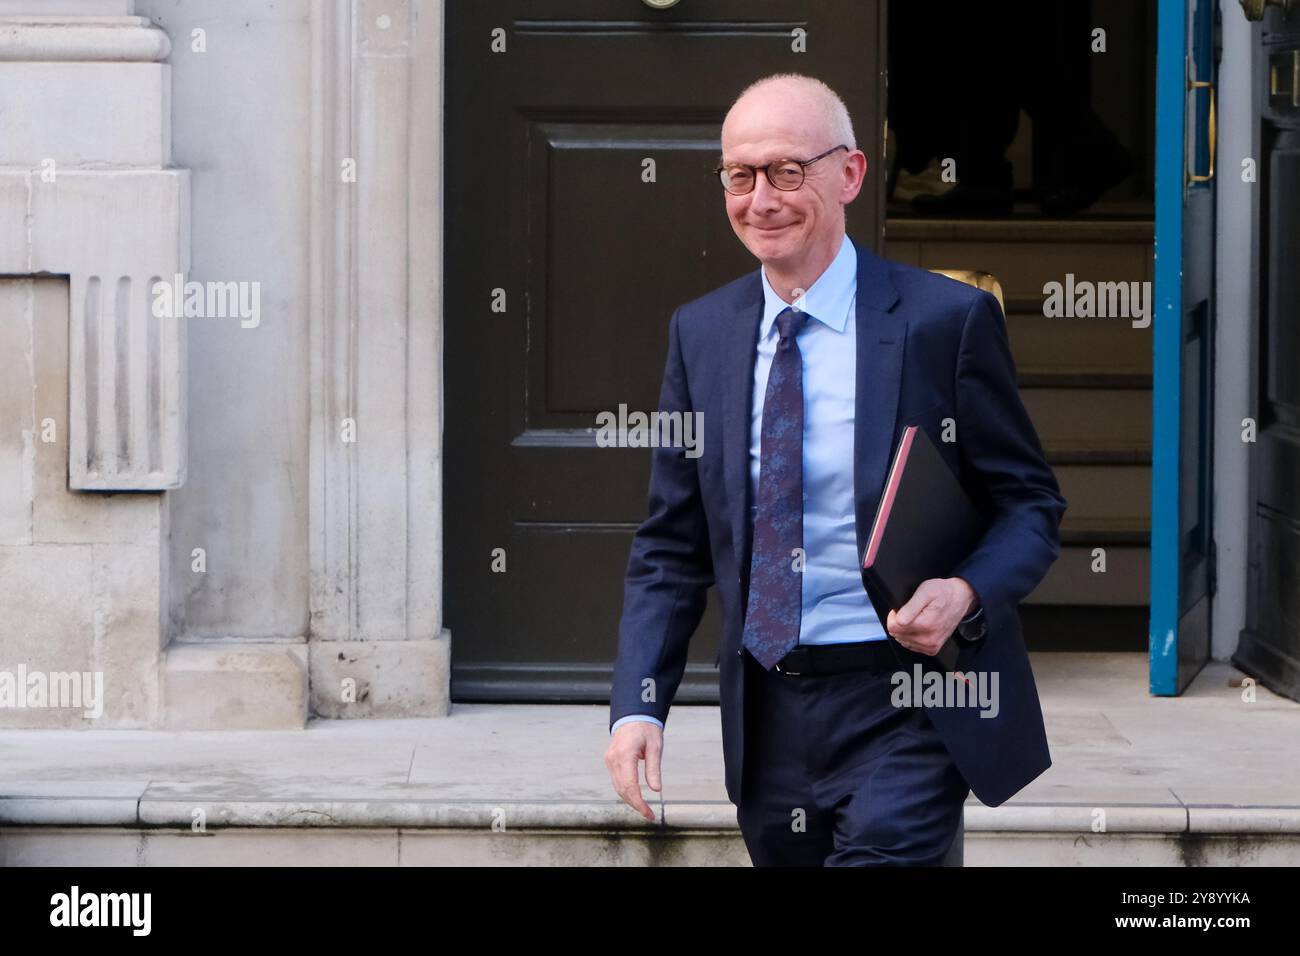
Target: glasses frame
point(767, 171)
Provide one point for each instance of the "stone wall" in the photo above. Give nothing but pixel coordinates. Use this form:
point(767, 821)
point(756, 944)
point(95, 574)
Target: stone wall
point(81, 580)
point(282, 570)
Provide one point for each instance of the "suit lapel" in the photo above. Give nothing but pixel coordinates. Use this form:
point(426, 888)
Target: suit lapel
point(881, 335)
point(879, 360)
point(741, 351)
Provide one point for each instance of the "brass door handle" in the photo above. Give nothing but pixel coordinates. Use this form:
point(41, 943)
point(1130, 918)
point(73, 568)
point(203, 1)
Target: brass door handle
point(1254, 9)
point(1212, 130)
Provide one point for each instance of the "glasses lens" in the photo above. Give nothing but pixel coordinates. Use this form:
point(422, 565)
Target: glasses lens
point(737, 179)
point(786, 174)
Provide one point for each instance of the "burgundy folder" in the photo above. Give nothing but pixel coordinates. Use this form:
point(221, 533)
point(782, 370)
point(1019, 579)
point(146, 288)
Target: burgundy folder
point(924, 527)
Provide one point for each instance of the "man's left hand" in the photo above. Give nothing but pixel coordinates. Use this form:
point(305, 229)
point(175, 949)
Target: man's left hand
point(925, 622)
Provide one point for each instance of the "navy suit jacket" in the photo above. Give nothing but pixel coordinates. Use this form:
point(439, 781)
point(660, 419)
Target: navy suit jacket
point(928, 348)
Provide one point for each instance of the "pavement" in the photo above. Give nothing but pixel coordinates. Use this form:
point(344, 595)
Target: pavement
point(1206, 761)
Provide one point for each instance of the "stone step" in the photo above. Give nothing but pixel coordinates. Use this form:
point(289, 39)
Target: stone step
point(525, 783)
point(1081, 377)
point(1114, 419)
point(1108, 504)
point(1025, 260)
point(1072, 581)
point(1042, 345)
point(695, 835)
point(1026, 253)
point(1030, 230)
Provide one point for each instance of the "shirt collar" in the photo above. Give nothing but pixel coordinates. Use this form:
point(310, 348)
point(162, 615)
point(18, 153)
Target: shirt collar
point(829, 298)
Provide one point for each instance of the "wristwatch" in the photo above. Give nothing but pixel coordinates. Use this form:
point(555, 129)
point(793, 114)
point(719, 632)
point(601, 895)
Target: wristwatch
point(974, 627)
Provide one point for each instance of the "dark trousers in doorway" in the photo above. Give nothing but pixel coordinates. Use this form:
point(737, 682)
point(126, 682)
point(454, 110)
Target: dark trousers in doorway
point(835, 775)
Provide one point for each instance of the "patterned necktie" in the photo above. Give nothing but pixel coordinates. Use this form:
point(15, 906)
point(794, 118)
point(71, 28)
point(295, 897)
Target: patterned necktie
point(775, 587)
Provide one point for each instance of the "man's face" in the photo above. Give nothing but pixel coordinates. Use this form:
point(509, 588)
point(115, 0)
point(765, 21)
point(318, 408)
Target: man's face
point(783, 227)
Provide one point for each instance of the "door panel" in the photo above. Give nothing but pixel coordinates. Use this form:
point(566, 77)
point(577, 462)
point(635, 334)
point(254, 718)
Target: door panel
point(1269, 647)
point(579, 201)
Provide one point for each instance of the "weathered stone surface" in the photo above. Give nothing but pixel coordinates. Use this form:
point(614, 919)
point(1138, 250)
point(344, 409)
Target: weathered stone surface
point(47, 620)
point(17, 411)
point(82, 573)
point(234, 686)
point(388, 678)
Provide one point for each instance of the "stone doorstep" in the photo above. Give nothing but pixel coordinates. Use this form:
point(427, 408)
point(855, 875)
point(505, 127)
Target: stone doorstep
point(237, 685)
point(142, 812)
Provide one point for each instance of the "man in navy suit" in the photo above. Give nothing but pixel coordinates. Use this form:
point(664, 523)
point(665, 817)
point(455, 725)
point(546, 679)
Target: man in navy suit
point(807, 371)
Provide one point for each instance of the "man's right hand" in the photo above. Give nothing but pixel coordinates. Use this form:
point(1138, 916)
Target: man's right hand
point(633, 742)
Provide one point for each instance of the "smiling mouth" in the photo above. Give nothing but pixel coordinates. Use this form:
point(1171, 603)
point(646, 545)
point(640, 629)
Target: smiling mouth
point(772, 228)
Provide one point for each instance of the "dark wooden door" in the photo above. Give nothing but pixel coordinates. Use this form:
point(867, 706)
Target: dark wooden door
point(1269, 648)
point(580, 211)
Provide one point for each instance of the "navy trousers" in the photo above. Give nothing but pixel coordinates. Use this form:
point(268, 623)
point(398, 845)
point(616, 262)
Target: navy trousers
point(835, 775)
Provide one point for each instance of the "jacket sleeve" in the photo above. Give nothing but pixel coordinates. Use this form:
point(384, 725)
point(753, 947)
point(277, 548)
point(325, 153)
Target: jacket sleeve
point(1001, 450)
point(669, 569)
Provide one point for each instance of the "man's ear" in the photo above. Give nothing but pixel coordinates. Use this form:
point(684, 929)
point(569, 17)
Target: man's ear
point(858, 160)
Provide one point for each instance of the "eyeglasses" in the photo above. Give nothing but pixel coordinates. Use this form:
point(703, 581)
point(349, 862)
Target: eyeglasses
point(784, 174)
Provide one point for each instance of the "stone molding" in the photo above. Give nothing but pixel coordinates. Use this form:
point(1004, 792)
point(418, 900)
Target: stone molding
point(113, 223)
point(375, 504)
point(40, 39)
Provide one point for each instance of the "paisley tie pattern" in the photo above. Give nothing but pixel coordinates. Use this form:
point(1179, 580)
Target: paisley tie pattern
point(775, 607)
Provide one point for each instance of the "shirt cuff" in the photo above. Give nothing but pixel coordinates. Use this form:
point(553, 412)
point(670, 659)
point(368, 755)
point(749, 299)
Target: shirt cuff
point(624, 720)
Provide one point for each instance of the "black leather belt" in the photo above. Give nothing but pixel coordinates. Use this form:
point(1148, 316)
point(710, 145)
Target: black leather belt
point(813, 659)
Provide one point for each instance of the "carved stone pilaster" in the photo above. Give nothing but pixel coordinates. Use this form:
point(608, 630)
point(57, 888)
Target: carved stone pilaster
point(86, 191)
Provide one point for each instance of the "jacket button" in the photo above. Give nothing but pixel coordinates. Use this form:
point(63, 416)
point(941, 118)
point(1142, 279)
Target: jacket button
point(740, 652)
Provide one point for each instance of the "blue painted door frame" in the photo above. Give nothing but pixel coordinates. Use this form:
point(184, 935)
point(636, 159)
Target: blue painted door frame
point(1182, 548)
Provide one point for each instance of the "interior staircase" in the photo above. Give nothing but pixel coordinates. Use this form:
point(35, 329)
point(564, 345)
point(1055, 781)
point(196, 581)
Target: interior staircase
point(1086, 383)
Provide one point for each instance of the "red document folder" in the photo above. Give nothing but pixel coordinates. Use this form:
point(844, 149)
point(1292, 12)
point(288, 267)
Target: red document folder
point(924, 527)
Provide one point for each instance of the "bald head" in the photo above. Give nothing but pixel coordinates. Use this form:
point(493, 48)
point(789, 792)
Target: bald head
point(796, 232)
point(804, 104)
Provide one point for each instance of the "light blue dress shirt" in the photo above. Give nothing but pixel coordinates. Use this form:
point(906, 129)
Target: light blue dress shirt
point(836, 608)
